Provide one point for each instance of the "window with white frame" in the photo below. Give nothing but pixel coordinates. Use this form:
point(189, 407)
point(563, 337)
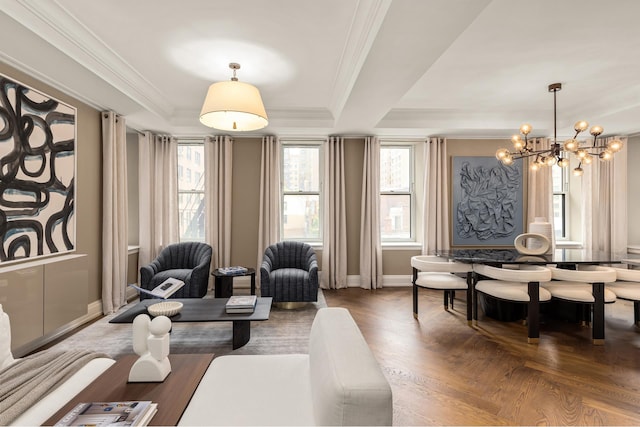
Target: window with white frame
point(397, 198)
point(301, 191)
point(560, 178)
point(191, 191)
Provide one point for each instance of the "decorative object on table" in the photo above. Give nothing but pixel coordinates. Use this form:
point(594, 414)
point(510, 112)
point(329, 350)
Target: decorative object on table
point(532, 244)
point(241, 304)
point(163, 290)
point(6, 357)
point(37, 153)
point(167, 308)
point(231, 271)
point(289, 273)
point(584, 153)
point(233, 106)
point(130, 413)
point(540, 225)
point(151, 343)
point(487, 202)
point(186, 261)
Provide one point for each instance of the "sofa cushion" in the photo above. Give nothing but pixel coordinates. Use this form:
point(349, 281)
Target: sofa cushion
point(347, 384)
point(253, 390)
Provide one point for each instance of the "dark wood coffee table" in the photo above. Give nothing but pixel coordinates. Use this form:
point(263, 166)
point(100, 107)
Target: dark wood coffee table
point(207, 310)
point(172, 395)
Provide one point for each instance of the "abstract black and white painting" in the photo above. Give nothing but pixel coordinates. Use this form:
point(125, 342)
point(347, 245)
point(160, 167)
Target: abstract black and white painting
point(487, 202)
point(37, 173)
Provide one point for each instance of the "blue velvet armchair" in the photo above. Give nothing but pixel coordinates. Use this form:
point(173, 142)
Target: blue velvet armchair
point(289, 272)
point(187, 261)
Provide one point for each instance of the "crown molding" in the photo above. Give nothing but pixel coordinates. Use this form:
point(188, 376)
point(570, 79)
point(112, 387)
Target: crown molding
point(53, 23)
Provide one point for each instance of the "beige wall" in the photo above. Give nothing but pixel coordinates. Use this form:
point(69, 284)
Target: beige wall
point(88, 178)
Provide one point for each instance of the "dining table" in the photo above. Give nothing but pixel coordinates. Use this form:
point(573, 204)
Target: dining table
point(561, 258)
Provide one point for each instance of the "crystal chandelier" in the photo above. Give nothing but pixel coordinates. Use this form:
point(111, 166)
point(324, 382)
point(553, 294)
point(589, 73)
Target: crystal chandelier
point(585, 152)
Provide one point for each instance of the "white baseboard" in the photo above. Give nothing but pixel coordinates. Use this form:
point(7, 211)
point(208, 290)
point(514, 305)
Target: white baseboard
point(388, 281)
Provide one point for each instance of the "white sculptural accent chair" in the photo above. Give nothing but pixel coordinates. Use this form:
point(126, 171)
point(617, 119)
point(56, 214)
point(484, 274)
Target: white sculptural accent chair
point(517, 286)
point(433, 272)
point(627, 287)
point(585, 286)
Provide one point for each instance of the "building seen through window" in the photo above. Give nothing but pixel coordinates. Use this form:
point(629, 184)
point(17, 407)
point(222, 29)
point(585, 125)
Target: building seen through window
point(191, 191)
point(396, 193)
point(301, 202)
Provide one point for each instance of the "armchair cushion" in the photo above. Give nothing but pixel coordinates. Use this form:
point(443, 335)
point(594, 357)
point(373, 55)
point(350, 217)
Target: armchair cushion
point(186, 261)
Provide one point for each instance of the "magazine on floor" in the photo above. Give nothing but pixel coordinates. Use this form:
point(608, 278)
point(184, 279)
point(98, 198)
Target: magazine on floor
point(127, 413)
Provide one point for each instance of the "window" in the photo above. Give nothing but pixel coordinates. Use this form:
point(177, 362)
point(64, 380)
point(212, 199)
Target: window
point(560, 178)
point(191, 192)
point(396, 193)
point(301, 201)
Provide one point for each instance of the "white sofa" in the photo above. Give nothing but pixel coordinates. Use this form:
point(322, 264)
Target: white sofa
point(51, 403)
point(338, 383)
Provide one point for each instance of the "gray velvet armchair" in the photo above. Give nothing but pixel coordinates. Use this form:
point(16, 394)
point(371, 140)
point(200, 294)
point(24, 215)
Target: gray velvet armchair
point(289, 272)
point(187, 261)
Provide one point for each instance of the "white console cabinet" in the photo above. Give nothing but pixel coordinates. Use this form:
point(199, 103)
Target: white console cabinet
point(43, 295)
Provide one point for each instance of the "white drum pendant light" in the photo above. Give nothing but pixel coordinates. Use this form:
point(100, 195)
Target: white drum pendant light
point(233, 106)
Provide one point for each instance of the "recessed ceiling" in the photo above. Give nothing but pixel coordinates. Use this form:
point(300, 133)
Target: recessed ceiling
point(461, 68)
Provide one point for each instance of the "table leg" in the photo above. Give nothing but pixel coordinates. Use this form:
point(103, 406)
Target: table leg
point(223, 287)
point(469, 297)
point(253, 283)
point(598, 313)
point(533, 313)
point(241, 333)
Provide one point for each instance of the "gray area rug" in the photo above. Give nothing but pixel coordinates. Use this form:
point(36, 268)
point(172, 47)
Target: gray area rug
point(286, 331)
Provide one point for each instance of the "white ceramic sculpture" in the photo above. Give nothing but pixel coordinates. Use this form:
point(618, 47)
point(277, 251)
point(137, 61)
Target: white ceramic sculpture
point(524, 245)
point(6, 358)
point(151, 343)
point(541, 226)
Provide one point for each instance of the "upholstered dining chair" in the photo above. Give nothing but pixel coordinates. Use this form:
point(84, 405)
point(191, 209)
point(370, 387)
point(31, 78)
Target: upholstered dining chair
point(585, 286)
point(627, 287)
point(289, 273)
point(186, 261)
point(434, 272)
point(520, 286)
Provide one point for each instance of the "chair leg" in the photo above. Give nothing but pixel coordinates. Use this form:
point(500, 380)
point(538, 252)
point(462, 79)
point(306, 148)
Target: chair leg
point(469, 297)
point(452, 295)
point(446, 300)
point(533, 313)
point(475, 297)
point(415, 301)
point(598, 313)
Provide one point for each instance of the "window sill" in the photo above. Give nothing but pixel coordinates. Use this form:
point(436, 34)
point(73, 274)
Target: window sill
point(401, 246)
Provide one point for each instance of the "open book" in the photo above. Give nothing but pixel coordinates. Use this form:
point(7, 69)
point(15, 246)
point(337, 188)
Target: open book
point(164, 289)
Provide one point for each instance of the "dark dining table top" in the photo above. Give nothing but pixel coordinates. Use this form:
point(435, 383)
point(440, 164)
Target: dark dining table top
point(512, 256)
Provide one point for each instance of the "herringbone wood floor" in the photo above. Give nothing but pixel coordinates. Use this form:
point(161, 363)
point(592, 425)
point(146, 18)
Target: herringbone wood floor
point(444, 372)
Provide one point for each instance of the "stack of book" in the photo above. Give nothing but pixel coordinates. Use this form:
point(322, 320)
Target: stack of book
point(233, 271)
point(129, 413)
point(241, 304)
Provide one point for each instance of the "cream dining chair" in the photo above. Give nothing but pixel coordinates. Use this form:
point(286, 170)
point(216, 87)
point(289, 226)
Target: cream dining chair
point(585, 286)
point(627, 287)
point(434, 272)
point(521, 285)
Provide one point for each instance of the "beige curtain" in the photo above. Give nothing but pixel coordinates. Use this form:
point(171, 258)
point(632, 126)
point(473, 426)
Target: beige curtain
point(435, 203)
point(370, 247)
point(218, 159)
point(269, 220)
point(334, 233)
point(604, 210)
point(158, 194)
point(540, 188)
point(115, 212)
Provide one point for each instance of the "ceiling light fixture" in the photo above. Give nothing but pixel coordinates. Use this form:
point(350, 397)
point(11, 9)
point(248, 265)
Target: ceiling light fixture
point(233, 106)
point(585, 153)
